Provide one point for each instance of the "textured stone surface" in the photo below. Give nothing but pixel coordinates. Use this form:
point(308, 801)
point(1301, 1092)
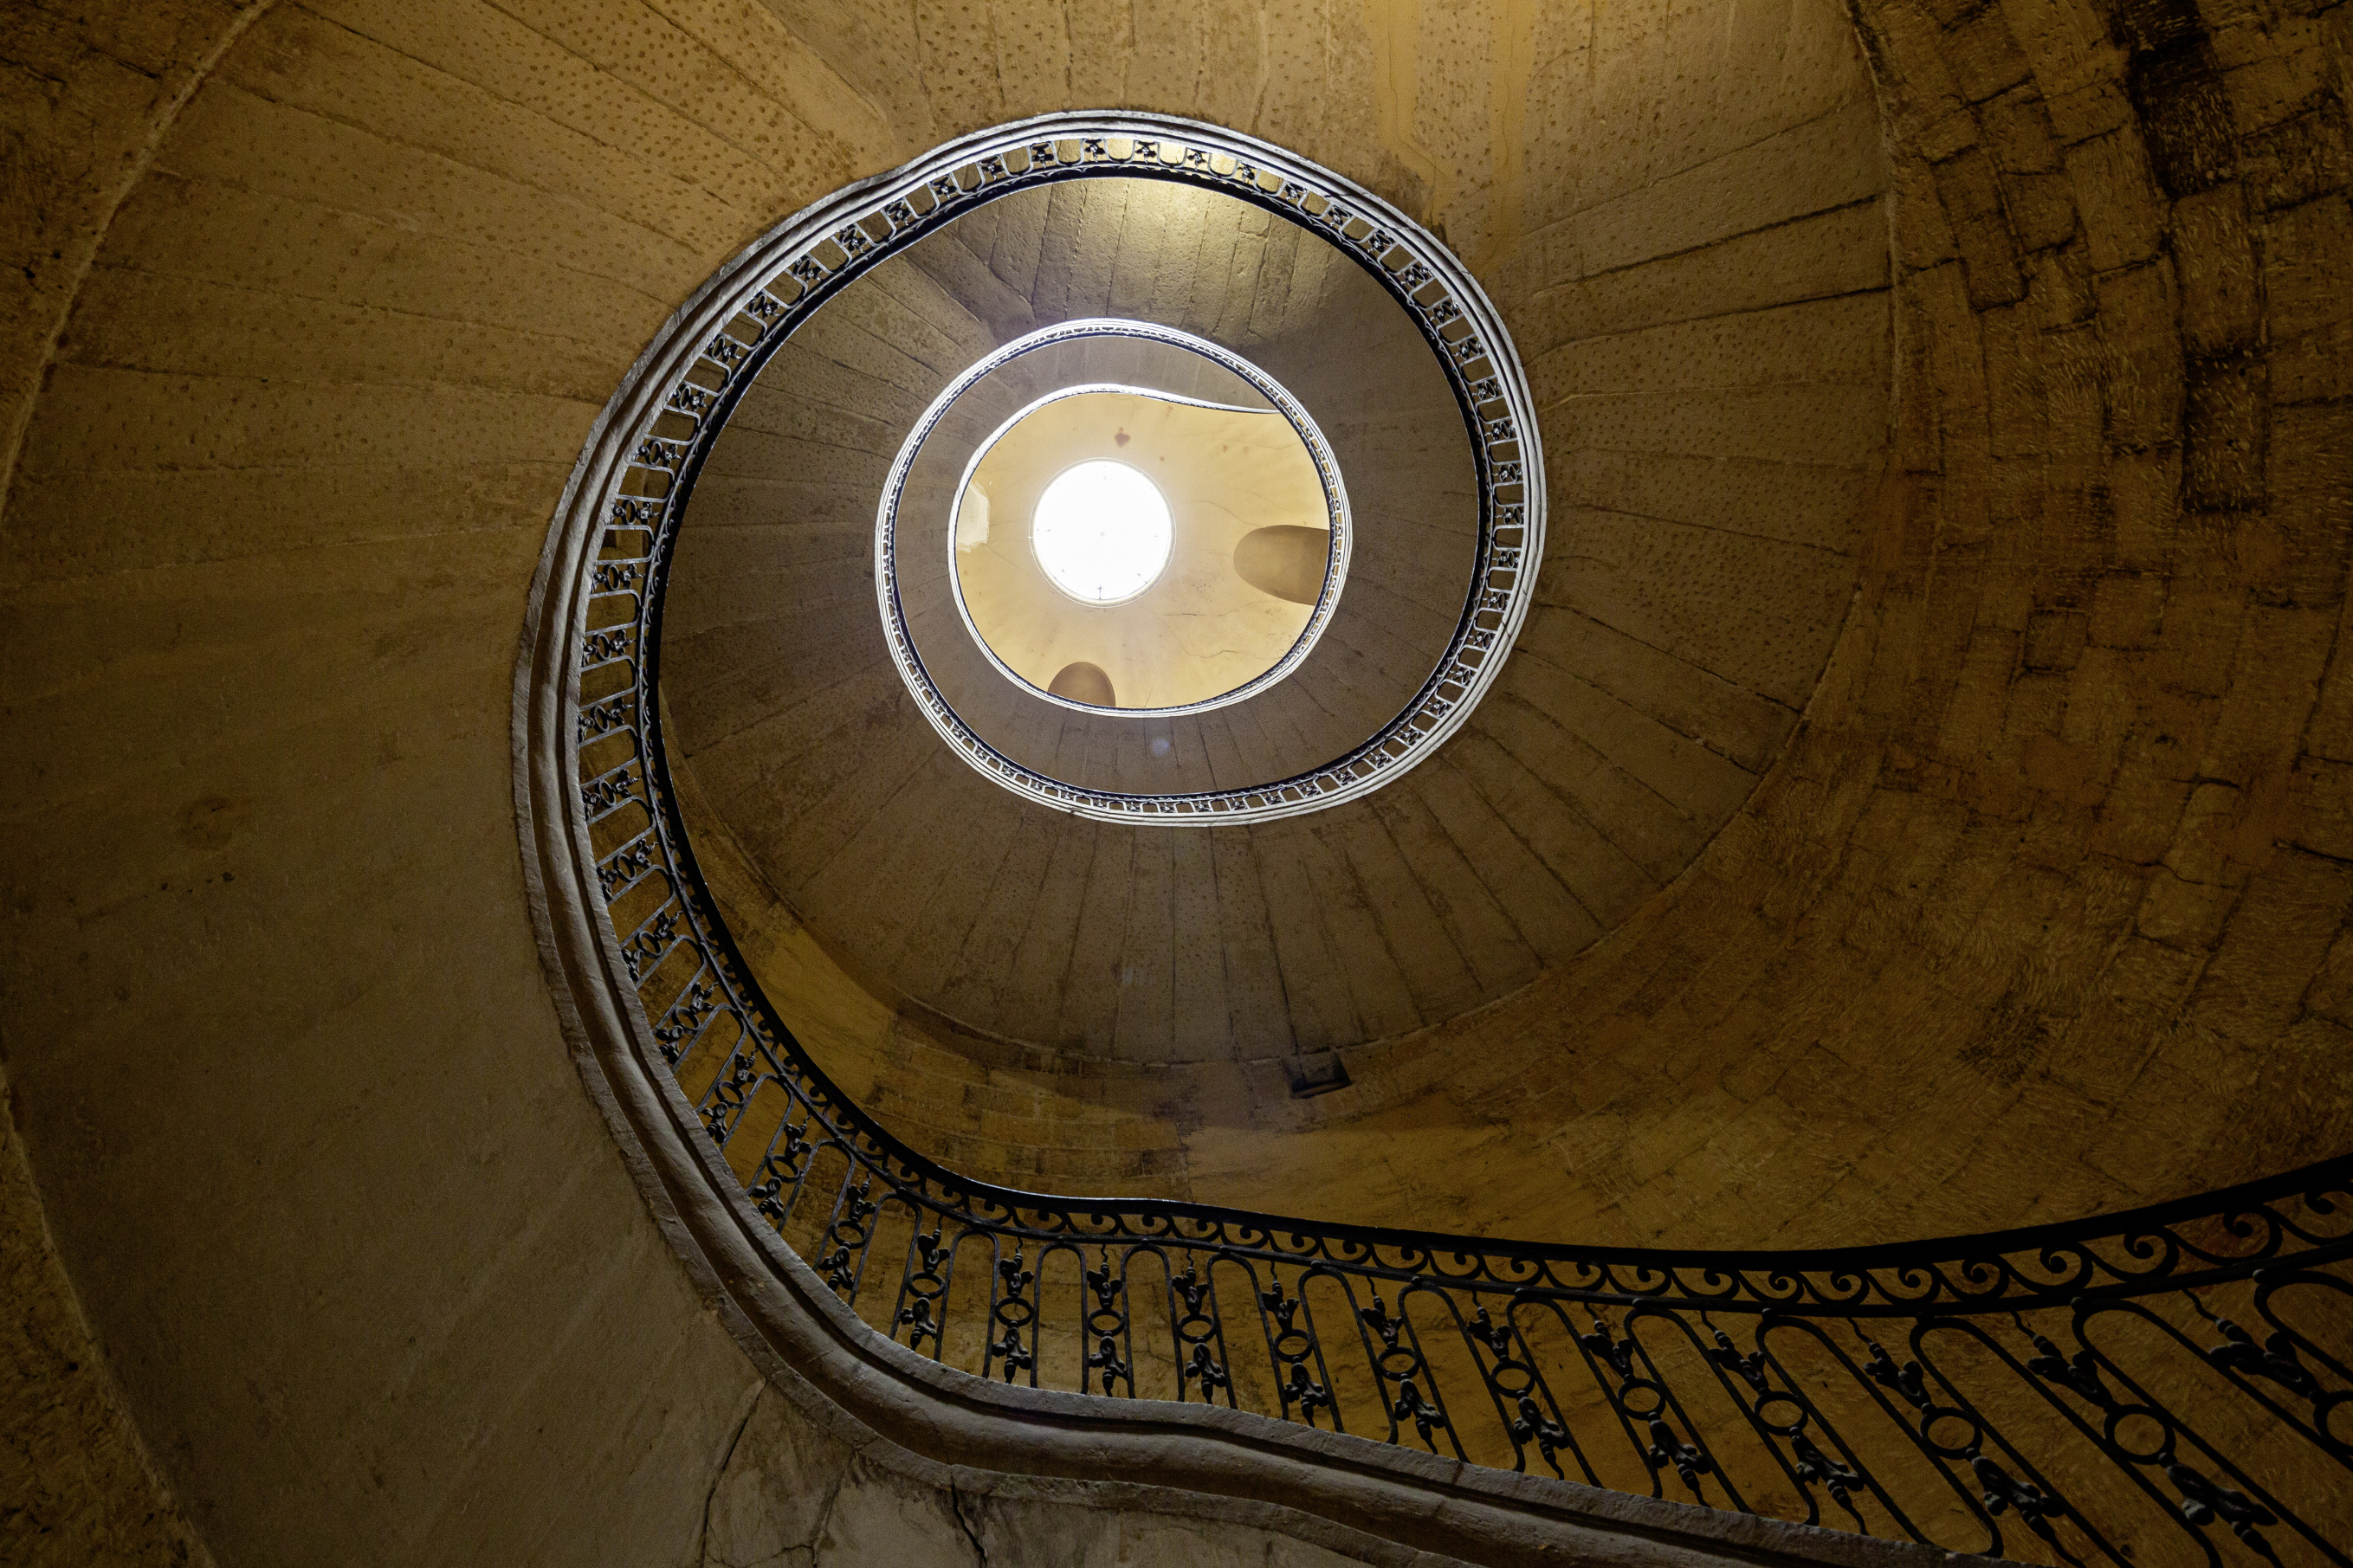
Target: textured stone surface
point(75, 1484)
point(1982, 948)
point(1710, 436)
point(777, 1483)
point(2022, 923)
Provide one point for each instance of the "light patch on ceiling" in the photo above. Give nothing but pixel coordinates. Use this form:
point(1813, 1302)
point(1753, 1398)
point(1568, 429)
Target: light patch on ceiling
point(1101, 530)
point(1098, 527)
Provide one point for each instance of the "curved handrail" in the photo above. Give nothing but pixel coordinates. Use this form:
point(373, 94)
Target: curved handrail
point(1606, 1365)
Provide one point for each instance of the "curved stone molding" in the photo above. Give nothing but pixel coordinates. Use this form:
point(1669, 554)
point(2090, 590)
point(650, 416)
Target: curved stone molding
point(1303, 1480)
point(934, 704)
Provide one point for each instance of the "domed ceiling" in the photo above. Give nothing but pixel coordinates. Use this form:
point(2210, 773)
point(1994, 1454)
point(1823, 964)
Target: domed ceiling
point(1109, 497)
point(1654, 680)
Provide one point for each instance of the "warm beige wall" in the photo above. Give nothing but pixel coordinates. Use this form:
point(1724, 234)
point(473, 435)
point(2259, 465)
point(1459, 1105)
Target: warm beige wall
point(1717, 417)
point(2042, 911)
point(83, 99)
point(1198, 631)
point(76, 1481)
point(292, 1092)
point(2045, 909)
point(88, 90)
point(373, 1281)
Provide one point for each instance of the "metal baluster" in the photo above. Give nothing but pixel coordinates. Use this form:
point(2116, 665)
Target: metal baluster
point(1538, 1417)
point(2203, 1500)
point(1511, 1380)
point(1398, 1363)
point(1011, 1310)
point(847, 1233)
point(1200, 1337)
point(1292, 1344)
point(1106, 1325)
point(923, 1285)
point(2279, 1359)
point(2027, 1493)
point(1850, 1461)
point(1805, 1464)
point(1638, 1397)
point(779, 1166)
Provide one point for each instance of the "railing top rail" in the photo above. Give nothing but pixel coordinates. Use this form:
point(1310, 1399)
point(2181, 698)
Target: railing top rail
point(2263, 1213)
point(2325, 1188)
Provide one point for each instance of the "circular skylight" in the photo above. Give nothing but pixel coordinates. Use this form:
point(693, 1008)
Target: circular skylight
point(1100, 531)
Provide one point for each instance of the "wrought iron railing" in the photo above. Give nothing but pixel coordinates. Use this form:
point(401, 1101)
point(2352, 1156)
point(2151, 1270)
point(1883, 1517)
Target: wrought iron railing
point(2172, 1377)
point(2160, 1385)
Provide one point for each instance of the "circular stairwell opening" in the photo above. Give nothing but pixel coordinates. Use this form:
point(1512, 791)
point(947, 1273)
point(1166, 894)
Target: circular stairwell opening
point(1102, 528)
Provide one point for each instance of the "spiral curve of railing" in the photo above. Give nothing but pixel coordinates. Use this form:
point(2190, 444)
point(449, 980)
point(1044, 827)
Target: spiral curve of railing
point(2167, 1384)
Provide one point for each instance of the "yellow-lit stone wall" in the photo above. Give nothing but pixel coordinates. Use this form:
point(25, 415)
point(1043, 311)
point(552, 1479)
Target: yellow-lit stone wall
point(76, 1483)
point(2040, 911)
point(1713, 435)
point(89, 90)
point(2044, 912)
point(372, 1282)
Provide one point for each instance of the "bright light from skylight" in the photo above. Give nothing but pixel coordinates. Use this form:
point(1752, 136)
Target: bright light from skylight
point(1100, 531)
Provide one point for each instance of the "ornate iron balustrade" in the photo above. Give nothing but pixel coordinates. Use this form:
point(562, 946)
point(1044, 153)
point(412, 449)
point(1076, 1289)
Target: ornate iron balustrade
point(2066, 1391)
point(2161, 1384)
point(683, 390)
point(2186, 1357)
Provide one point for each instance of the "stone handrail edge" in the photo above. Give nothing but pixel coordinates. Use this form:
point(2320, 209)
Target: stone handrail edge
point(1299, 1479)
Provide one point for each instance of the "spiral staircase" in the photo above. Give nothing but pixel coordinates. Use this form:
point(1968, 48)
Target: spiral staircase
point(1822, 730)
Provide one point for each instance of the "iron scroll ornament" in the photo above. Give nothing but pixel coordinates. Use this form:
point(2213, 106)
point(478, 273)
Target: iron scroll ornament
point(1843, 1387)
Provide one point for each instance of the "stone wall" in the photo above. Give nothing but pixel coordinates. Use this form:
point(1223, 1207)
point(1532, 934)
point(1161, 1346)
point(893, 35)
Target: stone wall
point(2044, 912)
point(234, 1040)
point(76, 1483)
point(358, 276)
point(1705, 318)
point(2041, 910)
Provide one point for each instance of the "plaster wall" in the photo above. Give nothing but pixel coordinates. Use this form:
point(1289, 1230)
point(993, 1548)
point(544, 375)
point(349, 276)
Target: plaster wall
point(77, 1484)
point(1575, 792)
point(297, 1109)
point(1198, 630)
